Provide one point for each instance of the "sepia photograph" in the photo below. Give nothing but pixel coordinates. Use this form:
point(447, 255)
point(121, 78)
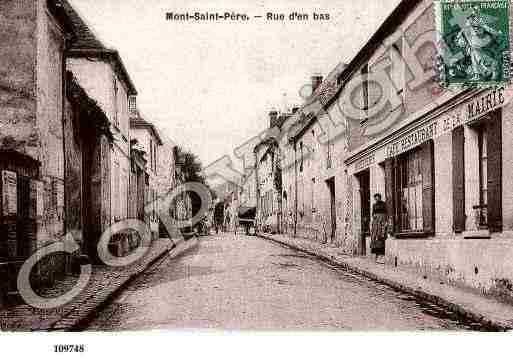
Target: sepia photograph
point(269, 173)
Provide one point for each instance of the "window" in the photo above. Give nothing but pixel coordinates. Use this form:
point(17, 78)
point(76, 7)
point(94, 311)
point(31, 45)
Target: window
point(409, 189)
point(116, 210)
point(365, 90)
point(116, 90)
point(313, 196)
point(481, 209)
point(477, 175)
point(409, 192)
point(155, 157)
point(301, 154)
point(132, 104)
point(328, 154)
point(151, 153)
point(398, 70)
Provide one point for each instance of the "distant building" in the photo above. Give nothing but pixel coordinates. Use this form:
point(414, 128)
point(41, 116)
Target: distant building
point(149, 140)
point(314, 175)
point(268, 177)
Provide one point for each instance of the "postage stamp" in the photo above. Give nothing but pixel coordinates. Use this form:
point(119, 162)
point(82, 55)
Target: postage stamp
point(473, 46)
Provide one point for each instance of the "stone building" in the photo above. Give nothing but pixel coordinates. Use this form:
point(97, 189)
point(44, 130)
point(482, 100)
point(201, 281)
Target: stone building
point(439, 157)
point(139, 189)
point(34, 35)
point(315, 173)
point(102, 74)
point(149, 140)
point(268, 176)
point(87, 140)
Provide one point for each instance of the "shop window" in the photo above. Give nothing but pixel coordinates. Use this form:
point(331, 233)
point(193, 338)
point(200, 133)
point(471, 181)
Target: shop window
point(409, 186)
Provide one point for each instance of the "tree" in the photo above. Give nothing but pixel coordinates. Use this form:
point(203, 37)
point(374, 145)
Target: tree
point(192, 171)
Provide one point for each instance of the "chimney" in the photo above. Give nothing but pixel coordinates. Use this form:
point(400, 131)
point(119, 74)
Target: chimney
point(273, 118)
point(316, 81)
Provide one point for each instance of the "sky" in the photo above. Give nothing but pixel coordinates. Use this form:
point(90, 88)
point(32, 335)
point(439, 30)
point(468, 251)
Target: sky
point(209, 86)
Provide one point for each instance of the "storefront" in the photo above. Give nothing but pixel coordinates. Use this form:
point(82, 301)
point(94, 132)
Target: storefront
point(444, 179)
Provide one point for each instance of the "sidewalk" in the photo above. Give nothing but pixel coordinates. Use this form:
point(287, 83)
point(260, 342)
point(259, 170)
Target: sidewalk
point(105, 282)
point(473, 306)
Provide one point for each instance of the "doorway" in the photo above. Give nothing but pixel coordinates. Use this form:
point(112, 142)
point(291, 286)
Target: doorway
point(333, 214)
point(365, 209)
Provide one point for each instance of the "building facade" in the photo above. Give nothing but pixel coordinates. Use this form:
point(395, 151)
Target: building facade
point(102, 74)
point(32, 158)
point(316, 172)
point(269, 176)
point(439, 158)
point(149, 140)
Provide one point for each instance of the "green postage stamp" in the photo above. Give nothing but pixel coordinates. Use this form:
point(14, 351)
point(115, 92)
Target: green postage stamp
point(473, 43)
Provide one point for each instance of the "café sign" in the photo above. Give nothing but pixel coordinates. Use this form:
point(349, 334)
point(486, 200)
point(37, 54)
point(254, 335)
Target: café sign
point(468, 112)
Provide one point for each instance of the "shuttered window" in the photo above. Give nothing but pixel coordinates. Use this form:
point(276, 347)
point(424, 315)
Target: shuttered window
point(494, 171)
point(486, 204)
point(458, 179)
point(409, 190)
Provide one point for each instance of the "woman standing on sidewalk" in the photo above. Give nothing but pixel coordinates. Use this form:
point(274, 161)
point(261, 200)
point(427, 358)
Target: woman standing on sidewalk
point(379, 224)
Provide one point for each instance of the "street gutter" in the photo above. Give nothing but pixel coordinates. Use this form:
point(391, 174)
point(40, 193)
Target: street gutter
point(420, 293)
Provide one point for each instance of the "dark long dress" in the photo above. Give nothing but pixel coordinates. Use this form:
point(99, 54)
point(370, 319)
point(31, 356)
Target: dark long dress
point(379, 225)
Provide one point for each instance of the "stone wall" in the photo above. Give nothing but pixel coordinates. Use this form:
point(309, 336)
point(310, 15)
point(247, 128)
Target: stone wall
point(18, 28)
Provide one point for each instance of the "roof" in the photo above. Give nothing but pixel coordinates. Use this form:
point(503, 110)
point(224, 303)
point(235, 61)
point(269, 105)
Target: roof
point(387, 28)
point(93, 114)
point(139, 122)
point(328, 92)
point(87, 44)
point(56, 8)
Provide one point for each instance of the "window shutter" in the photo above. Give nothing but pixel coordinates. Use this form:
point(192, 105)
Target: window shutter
point(494, 153)
point(428, 198)
point(458, 178)
point(389, 193)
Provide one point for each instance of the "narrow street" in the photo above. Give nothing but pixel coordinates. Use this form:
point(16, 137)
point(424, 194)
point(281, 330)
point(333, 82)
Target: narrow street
point(241, 282)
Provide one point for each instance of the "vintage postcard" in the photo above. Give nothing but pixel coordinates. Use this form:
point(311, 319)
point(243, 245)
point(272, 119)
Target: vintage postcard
point(288, 166)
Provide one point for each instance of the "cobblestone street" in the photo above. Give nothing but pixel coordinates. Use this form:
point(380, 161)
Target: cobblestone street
point(241, 282)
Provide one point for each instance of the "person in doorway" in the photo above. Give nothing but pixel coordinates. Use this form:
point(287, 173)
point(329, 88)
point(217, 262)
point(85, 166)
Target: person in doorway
point(378, 228)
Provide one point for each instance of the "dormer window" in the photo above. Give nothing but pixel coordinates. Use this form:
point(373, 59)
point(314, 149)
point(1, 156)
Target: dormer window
point(132, 104)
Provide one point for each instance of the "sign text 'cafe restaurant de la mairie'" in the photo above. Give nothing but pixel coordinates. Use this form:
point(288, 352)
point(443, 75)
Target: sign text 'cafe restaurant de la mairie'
point(446, 174)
